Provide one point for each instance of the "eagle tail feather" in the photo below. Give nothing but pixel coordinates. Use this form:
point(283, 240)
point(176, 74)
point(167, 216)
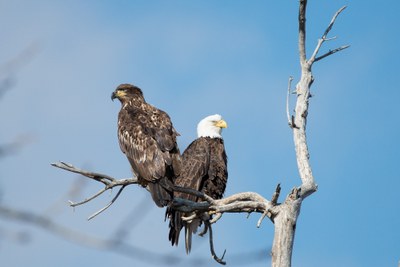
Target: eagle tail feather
point(175, 225)
point(190, 229)
point(188, 239)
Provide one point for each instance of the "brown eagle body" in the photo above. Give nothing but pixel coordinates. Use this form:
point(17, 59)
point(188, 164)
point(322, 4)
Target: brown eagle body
point(148, 139)
point(204, 168)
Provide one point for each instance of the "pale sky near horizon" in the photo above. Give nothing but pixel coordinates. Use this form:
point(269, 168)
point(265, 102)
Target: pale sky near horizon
point(193, 59)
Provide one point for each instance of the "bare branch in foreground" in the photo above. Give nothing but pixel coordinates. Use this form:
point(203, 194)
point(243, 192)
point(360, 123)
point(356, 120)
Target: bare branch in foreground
point(16, 145)
point(8, 70)
point(118, 246)
point(5, 85)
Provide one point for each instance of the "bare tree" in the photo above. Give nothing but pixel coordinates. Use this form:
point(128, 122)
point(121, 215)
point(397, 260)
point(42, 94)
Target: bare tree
point(284, 215)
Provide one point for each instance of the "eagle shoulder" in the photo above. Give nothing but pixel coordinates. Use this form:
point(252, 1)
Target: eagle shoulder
point(147, 146)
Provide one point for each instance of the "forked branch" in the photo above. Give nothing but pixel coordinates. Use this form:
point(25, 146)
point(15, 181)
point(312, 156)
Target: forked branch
point(325, 38)
point(108, 181)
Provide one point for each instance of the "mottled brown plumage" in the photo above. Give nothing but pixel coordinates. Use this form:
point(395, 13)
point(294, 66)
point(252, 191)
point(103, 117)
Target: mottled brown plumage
point(204, 168)
point(148, 139)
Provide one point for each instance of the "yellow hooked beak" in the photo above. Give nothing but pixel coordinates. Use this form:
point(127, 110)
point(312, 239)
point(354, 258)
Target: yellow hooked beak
point(117, 94)
point(221, 124)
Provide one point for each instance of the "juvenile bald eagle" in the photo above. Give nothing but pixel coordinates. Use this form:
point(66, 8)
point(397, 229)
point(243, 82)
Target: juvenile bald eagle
point(204, 168)
point(148, 139)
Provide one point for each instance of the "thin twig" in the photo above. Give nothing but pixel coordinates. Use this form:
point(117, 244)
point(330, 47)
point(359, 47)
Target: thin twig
point(75, 204)
point(93, 175)
point(275, 196)
point(108, 205)
point(262, 218)
point(213, 254)
point(287, 102)
point(330, 39)
point(333, 21)
point(331, 52)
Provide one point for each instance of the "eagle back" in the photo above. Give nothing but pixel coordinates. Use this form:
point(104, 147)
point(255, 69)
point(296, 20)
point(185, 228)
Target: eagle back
point(204, 168)
point(148, 139)
point(195, 162)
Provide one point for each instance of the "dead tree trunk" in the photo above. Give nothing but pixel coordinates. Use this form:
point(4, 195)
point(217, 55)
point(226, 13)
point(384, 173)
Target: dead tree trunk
point(287, 214)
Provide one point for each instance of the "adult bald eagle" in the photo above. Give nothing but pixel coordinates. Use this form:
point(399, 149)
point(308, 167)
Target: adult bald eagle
point(204, 168)
point(148, 139)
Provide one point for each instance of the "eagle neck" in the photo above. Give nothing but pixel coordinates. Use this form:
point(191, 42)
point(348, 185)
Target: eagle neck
point(211, 135)
point(133, 103)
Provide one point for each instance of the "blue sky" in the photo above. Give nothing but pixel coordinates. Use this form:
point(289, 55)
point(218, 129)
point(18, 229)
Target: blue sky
point(193, 59)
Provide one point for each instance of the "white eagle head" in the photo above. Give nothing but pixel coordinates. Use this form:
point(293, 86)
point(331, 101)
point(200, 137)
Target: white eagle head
point(211, 126)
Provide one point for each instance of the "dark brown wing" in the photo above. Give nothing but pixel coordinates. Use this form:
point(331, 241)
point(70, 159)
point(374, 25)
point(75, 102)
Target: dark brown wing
point(149, 142)
point(215, 185)
point(148, 139)
point(204, 168)
point(195, 164)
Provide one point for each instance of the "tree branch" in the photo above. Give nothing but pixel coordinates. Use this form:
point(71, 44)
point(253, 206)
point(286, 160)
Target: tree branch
point(246, 202)
point(108, 205)
point(324, 38)
point(302, 31)
point(242, 202)
point(331, 52)
point(107, 180)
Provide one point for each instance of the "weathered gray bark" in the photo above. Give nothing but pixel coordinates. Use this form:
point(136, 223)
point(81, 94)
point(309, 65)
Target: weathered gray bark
point(286, 217)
